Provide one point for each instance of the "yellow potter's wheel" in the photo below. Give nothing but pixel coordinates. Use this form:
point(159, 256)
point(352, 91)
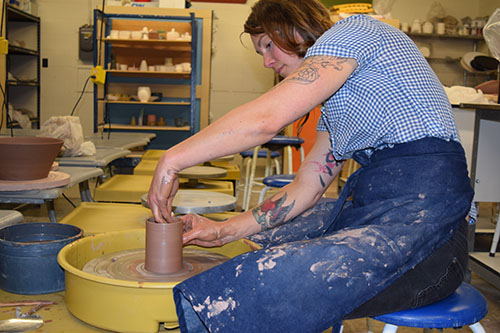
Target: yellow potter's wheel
point(121, 305)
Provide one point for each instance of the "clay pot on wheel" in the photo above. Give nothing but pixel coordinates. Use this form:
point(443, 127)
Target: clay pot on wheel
point(27, 157)
point(163, 247)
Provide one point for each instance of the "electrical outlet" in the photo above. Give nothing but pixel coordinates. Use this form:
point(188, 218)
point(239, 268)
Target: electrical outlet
point(98, 75)
point(4, 46)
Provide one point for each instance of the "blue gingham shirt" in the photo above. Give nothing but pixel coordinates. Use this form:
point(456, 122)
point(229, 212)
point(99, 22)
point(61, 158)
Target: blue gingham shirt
point(393, 96)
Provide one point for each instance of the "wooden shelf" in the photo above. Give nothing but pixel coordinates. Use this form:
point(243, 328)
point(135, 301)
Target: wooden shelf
point(22, 51)
point(151, 128)
point(147, 41)
point(445, 59)
point(15, 14)
point(22, 83)
point(151, 44)
point(468, 37)
point(147, 73)
point(147, 103)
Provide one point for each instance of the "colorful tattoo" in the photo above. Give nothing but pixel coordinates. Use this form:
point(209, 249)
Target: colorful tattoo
point(327, 167)
point(308, 71)
point(272, 212)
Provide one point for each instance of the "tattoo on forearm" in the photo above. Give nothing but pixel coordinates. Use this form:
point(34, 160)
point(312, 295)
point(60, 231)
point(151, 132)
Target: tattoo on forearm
point(327, 167)
point(308, 72)
point(272, 212)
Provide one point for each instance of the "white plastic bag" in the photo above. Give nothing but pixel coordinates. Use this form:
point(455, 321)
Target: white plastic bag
point(23, 119)
point(461, 94)
point(491, 32)
point(70, 130)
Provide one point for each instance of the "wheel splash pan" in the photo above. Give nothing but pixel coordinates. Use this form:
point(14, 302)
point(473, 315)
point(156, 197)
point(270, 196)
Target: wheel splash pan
point(119, 305)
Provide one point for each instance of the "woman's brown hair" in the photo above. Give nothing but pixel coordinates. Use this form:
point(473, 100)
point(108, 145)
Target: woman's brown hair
point(281, 19)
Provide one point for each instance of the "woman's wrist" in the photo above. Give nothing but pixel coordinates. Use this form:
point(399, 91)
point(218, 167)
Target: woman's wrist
point(227, 232)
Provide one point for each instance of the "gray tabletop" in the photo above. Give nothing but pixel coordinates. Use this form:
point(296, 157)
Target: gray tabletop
point(102, 158)
point(115, 140)
point(77, 175)
point(123, 143)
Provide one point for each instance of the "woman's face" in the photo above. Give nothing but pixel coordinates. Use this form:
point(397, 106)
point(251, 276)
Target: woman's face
point(281, 62)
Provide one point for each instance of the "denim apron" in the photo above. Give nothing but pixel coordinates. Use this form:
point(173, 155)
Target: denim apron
point(407, 201)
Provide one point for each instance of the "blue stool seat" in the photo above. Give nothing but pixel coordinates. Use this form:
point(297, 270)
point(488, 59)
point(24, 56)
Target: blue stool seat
point(261, 154)
point(279, 141)
point(466, 306)
point(278, 180)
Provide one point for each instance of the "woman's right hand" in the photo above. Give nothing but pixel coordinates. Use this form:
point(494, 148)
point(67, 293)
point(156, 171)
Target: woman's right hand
point(161, 193)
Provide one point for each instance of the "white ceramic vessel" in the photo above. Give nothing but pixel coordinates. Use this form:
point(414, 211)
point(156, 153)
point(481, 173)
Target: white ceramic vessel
point(144, 93)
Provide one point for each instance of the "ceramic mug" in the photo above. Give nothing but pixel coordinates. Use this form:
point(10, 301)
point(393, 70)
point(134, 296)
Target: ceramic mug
point(416, 27)
point(440, 28)
point(124, 34)
point(136, 35)
point(427, 28)
point(113, 34)
point(405, 27)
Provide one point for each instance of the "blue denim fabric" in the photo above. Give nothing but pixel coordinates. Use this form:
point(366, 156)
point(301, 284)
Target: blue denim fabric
point(407, 201)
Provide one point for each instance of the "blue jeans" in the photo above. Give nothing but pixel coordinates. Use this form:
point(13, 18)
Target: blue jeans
point(330, 262)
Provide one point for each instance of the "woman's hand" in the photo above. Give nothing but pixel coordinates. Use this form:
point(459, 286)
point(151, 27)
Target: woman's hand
point(199, 230)
point(161, 194)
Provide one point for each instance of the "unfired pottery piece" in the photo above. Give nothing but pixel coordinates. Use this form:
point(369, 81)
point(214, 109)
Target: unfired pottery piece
point(163, 247)
point(27, 157)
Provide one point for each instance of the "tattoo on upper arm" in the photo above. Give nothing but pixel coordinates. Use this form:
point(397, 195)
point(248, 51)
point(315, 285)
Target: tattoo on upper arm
point(272, 212)
point(327, 167)
point(308, 72)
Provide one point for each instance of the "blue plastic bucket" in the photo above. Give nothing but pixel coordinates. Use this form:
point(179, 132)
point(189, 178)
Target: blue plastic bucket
point(28, 256)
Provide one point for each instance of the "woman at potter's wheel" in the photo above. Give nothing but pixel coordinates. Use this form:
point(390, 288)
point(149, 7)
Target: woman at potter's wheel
point(398, 242)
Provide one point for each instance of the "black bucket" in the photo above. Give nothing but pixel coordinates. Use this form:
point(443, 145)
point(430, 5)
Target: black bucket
point(28, 256)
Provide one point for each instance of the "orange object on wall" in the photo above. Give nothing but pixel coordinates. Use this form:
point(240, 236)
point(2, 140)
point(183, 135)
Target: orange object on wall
point(308, 133)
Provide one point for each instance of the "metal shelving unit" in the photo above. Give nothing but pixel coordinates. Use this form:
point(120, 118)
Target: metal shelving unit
point(179, 106)
point(23, 63)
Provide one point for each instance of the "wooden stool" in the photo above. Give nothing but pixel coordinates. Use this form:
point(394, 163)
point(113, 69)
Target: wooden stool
point(277, 143)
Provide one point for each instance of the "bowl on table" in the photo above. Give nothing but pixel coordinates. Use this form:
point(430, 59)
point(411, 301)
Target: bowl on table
point(27, 157)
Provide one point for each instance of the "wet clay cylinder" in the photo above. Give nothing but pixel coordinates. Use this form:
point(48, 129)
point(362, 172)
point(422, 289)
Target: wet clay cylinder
point(163, 247)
